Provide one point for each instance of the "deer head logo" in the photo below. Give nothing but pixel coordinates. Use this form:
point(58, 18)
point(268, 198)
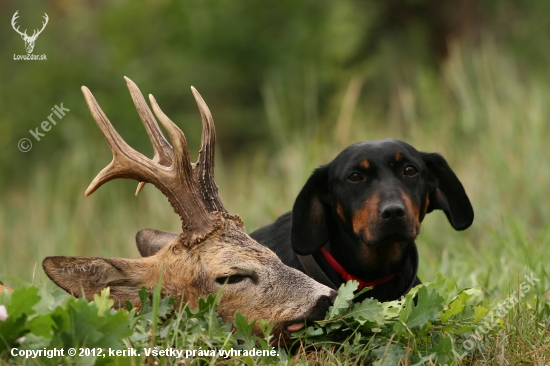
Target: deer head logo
point(29, 40)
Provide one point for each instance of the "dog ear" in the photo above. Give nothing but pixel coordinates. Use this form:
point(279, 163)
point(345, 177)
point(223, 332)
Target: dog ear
point(449, 194)
point(309, 230)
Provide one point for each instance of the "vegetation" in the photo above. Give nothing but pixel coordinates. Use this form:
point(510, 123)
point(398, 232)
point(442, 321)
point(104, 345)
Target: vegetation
point(439, 327)
point(284, 102)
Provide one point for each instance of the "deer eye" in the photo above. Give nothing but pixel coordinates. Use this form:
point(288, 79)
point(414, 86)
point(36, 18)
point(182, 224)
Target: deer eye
point(355, 177)
point(410, 171)
point(231, 279)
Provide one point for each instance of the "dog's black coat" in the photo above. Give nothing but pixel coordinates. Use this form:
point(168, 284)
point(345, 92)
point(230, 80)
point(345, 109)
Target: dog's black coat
point(365, 208)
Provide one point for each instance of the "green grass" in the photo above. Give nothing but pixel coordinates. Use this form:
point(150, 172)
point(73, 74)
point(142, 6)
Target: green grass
point(485, 114)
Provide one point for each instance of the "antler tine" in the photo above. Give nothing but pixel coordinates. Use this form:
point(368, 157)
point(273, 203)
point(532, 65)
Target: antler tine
point(176, 181)
point(118, 146)
point(46, 18)
point(13, 20)
point(182, 159)
point(163, 150)
point(204, 169)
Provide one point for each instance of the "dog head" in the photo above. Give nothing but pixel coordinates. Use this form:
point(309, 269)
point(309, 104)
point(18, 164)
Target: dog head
point(372, 198)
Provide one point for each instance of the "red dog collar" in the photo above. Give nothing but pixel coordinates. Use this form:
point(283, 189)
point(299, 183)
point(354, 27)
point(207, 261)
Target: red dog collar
point(348, 277)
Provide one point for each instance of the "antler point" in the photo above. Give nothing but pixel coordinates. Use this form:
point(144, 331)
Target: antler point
point(139, 187)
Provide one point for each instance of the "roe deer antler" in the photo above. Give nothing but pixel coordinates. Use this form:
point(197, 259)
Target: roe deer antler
point(204, 167)
point(190, 188)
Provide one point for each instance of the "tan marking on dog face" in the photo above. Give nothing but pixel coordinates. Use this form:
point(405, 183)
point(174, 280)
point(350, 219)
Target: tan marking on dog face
point(365, 215)
point(364, 164)
point(398, 156)
point(426, 204)
point(412, 213)
point(340, 211)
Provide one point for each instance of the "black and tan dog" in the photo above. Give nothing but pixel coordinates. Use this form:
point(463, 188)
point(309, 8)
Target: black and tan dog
point(358, 216)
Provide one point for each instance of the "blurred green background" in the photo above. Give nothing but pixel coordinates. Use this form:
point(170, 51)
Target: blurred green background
point(290, 84)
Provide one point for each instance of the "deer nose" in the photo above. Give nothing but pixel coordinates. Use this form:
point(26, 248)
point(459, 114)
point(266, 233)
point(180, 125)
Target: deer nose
point(392, 211)
point(323, 303)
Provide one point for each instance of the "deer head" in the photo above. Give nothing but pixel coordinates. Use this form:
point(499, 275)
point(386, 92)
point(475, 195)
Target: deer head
point(29, 41)
point(213, 249)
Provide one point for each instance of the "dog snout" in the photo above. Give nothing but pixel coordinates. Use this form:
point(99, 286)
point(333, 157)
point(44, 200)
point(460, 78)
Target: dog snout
point(393, 211)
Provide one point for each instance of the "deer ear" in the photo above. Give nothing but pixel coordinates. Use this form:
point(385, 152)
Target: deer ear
point(309, 227)
point(449, 194)
point(86, 276)
point(150, 241)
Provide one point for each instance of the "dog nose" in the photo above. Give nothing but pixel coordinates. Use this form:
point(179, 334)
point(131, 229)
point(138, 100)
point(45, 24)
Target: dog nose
point(392, 211)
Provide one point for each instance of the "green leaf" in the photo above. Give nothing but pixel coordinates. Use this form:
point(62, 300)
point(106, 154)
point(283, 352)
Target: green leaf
point(361, 292)
point(266, 327)
point(368, 310)
point(336, 324)
point(461, 329)
point(23, 301)
point(456, 307)
point(208, 303)
point(443, 286)
point(146, 310)
point(429, 304)
point(128, 305)
point(19, 307)
point(114, 330)
point(41, 326)
point(166, 306)
point(103, 302)
point(443, 350)
point(392, 309)
point(479, 313)
point(342, 301)
point(244, 330)
point(390, 354)
point(312, 332)
point(81, 325)
point(406, 307)
point(11, 329)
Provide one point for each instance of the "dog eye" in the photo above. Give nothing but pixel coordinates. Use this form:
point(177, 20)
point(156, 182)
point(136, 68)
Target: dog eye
point(231, 279)
point(410, 171)
point(355, 177)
